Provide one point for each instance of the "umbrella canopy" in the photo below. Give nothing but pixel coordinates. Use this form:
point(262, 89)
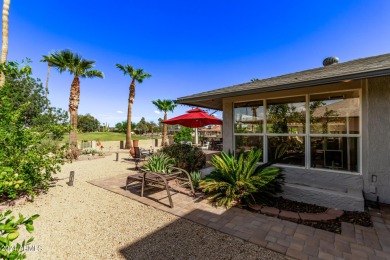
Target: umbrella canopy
point(194, 118)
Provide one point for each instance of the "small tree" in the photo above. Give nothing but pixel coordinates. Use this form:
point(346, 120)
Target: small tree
point(87, 123)
point(184, 134)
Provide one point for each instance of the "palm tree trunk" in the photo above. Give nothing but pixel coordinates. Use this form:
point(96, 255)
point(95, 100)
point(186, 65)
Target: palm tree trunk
point(47, 78)
point(74, 101)
point(164, 137)
point(128, 144)
point(4, 41)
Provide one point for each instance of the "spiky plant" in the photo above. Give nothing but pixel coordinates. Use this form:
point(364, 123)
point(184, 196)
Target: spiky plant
point(159, 162)
point(234, 181)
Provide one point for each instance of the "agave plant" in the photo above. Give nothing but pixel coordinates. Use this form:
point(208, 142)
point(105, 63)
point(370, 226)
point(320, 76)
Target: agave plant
point(159, 162)
point(234, 181)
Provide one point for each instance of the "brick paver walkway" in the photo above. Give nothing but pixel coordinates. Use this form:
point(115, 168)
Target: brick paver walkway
point(289, 238)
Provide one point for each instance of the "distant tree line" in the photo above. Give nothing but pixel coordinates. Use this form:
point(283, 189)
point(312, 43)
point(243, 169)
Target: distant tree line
point(142, 127)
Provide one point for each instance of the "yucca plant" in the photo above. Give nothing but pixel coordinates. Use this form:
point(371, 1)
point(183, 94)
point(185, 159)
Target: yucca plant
point(195, 178)
point(234, 181)
point(159, 162)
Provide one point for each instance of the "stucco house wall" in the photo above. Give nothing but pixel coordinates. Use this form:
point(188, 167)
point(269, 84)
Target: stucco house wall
point(374, 178)
point(376, 139)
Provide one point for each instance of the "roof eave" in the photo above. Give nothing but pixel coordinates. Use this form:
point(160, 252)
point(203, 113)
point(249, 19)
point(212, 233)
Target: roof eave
point(188, 100)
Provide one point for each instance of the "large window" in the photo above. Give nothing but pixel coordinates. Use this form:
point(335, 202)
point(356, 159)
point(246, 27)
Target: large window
point(320, 130)
point(286, 123)
point(248, 126)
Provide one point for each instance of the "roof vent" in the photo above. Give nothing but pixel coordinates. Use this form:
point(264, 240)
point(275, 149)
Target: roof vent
point(330, 60)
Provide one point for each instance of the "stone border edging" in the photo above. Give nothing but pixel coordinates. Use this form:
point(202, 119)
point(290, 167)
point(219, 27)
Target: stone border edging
point(329, 214)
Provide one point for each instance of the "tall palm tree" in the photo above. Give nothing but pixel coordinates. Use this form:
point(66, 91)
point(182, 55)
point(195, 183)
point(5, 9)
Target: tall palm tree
point(66, 60)
point(165, 106)
point(47, 59)
point(4, 39)
point(136, 75)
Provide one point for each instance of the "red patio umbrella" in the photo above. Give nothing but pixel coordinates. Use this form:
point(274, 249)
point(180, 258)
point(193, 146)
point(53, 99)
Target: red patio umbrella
point(194, 118)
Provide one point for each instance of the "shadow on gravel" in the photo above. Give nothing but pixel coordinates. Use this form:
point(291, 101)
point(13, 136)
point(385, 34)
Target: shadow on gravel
point(185, 240)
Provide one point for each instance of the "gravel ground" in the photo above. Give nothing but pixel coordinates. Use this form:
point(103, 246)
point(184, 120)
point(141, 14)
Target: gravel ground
point(87, 222)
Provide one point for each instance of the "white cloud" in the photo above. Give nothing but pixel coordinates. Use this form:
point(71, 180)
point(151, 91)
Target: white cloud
point(157, 112)
point(119, 112)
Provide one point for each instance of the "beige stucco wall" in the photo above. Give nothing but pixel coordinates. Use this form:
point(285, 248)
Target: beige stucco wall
point(227, 133)
point(376, 138)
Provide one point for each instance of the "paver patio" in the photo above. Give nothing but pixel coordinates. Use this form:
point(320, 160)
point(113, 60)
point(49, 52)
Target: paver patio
point(289, 238)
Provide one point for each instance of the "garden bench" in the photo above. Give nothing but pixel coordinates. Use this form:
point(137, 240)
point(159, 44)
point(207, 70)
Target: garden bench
point(177, 179)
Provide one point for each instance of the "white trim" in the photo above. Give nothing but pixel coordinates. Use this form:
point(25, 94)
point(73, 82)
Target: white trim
point(285, 134)
point(290, 166)
point(307, 133)
point(334, 135)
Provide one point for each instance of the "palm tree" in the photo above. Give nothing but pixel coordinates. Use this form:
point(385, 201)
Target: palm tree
point(66, 60)
point(4, 40)
point(47, 59)
point(136, 75)
point(164, 106)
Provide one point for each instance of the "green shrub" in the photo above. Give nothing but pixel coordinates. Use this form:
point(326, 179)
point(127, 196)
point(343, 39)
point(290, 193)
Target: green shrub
point(234, 181)
point(184, 134)
point(186, 157)
point(24, 133)
point(159, 162)
point(9, 232)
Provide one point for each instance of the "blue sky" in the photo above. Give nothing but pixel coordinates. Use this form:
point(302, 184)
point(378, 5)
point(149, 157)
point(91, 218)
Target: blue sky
point(189, 46)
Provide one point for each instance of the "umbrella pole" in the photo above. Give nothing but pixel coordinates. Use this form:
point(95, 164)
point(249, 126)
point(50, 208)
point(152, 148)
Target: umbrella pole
point(196, 136)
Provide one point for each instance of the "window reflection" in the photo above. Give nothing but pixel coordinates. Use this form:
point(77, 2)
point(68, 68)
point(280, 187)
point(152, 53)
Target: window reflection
point(295, 154)
point(246, 143)
point(336, 153)
point(286, 116)
point(335, 114)
point(248, 117)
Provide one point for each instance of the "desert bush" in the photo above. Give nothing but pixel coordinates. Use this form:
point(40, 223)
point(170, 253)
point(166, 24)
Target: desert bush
point(159, 162)
point(24, 154)
point(186, 157)
point(234, 181)
point(9, 226)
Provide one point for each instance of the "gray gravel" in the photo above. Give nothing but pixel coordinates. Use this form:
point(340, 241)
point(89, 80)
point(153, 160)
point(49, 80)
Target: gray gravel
point(87, 222)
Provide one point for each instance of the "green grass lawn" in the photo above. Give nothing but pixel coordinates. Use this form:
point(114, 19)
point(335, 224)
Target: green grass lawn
point(107, 136)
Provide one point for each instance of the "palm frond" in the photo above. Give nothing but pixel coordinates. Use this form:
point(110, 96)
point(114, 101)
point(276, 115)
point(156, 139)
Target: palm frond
point(74, 63)
point(94, 73)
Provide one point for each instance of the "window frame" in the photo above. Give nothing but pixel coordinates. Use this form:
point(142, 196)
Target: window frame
point(307, 135)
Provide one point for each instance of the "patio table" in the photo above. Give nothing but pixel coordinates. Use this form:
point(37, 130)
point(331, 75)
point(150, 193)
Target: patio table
point(171, 181)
